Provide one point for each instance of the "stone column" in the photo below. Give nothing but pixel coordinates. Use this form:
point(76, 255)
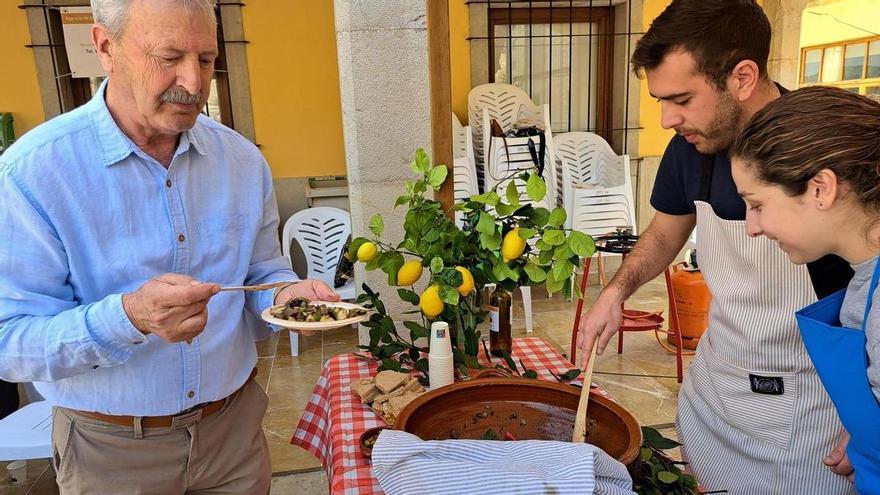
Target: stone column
point(785, 46)
point(383, 76)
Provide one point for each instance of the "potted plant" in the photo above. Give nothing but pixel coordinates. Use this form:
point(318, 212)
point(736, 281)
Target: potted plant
point(503, 241)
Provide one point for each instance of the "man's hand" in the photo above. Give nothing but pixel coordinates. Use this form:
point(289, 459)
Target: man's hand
point(838, 461)
point(313, 290)
point(600, 321)
point(172, 306)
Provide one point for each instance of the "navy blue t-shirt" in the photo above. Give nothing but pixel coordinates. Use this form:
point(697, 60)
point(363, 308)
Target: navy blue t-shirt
point(678, 185)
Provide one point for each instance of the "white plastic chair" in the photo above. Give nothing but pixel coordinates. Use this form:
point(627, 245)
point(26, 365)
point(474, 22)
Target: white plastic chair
point(507, 155)
point(27, 433)
point(321, 232)
point(503, 102)
point(464, 168)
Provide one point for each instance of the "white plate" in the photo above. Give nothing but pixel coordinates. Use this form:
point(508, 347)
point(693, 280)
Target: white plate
point(317, 325)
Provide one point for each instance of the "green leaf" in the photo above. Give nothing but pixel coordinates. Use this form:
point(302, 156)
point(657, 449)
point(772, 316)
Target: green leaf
point(420, 187)
point(536, 273)
point(563, 252)
point(505, 210)
point(499, 270)
point(562, 270)
point(554, 285)
point(486, 223)
point(571, 374)
point(449, 295)
point(401, 200)
point(646, 454)
point(416, 331)
point(437, 175)
point(491, 241)
point(436, 264)
point(653, 438)
point(557, 217)
point(553, 237)
point(422, 162)
point(539, 216)
point(536, 189)
point(526, 233)
point(667, 477)
point(512, 193)
point(545, 257)
point(377, 226)
point(391, 263)
point(530, 374)
point(581, 244)
point(408, 296)
point(390, 364)
point(490, 198)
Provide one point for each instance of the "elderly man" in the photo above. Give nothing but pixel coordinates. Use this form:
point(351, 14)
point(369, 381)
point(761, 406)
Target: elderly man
point(121, 219)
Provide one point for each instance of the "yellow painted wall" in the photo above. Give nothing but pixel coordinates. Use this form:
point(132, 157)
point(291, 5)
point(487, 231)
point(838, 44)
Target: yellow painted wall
point(460, 57)
point(294, 81)
point(652, 138)
point(832, 21)
point(19, 90)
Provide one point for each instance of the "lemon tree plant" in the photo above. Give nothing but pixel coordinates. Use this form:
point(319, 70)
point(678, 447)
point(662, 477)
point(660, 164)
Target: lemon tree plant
point(503, 241)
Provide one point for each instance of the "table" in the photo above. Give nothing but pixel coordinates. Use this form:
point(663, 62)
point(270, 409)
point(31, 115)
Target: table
point(335, 417)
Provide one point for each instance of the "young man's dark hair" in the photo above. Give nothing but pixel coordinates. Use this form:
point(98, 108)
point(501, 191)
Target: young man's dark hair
point(718, 33)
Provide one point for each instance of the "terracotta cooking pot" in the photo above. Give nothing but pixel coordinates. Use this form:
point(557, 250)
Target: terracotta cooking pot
point(526, 409)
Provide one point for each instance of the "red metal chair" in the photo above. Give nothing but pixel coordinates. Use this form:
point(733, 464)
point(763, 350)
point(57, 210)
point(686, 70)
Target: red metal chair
point(633, 321)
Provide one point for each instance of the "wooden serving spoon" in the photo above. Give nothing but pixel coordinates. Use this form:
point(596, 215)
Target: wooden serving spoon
point(580, 420)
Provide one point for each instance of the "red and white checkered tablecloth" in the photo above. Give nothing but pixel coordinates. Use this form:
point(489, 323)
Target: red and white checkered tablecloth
point(335, 417)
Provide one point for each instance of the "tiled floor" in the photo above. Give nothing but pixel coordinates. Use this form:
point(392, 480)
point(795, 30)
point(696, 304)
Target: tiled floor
point(642, 379)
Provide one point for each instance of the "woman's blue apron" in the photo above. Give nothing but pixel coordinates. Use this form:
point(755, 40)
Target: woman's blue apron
point(841, 360)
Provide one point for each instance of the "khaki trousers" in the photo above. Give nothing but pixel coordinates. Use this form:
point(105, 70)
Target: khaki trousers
point(223, 453)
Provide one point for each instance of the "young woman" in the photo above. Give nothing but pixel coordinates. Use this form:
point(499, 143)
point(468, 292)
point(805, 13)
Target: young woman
point(808, 167)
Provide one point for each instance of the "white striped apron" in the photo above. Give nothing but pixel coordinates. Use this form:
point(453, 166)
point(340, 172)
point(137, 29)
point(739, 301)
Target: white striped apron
point(736, 439)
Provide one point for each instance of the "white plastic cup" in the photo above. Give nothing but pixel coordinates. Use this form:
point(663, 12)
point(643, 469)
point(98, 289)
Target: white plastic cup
point(441, 342)
point(440, 365)
point(17, 471)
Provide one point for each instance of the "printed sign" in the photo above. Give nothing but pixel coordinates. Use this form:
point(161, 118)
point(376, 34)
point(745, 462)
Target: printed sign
point(76, 23)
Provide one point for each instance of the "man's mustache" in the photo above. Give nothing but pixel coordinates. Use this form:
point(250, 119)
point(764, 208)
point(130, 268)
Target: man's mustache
point(178, 94)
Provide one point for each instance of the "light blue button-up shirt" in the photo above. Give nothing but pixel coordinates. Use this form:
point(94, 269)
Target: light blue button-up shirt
point(88, 216)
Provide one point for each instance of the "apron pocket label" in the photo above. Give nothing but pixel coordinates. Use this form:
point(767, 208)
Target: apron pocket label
point(765, 414)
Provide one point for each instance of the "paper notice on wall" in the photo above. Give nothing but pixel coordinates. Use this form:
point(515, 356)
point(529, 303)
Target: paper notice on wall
point(77, 25)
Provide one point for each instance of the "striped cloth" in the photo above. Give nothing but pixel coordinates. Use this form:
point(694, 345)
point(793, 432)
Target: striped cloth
point(407, 465)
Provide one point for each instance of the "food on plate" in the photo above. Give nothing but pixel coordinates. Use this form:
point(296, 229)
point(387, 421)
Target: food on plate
point(301, 309)
point(388, 393)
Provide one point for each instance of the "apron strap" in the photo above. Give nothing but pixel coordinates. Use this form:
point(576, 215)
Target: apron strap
point(874, 280)
point(706, 178)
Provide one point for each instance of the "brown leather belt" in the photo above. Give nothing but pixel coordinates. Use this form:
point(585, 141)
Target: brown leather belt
point(189, 416)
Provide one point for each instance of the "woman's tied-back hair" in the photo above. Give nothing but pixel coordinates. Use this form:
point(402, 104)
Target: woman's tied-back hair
point(718, 33)
point(814, 128)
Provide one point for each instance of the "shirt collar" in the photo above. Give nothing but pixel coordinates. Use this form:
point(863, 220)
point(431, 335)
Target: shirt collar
point(115, 146)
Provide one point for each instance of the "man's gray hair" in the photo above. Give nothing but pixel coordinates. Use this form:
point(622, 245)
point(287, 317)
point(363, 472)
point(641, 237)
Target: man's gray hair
point(113, 14)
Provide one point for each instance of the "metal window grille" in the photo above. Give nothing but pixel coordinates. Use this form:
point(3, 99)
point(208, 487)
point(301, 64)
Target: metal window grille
point(571, 55)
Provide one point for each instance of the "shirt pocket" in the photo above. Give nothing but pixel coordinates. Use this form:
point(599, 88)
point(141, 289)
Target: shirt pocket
point(764, 417)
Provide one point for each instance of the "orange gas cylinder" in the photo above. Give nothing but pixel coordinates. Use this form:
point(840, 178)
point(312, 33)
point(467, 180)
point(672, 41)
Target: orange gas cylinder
point(692, 299)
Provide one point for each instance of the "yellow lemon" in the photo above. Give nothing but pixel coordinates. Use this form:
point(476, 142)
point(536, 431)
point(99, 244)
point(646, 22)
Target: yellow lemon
point(430, 302)
point(409, 273)
point(512, 246)
point(367, 252)
point(467, 281)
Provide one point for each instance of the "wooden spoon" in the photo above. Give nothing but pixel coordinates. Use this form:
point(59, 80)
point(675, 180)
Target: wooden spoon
point(580, 420)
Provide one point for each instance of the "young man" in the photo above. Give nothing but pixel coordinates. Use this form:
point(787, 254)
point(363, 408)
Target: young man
point(753, 416)
point(121, 219)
